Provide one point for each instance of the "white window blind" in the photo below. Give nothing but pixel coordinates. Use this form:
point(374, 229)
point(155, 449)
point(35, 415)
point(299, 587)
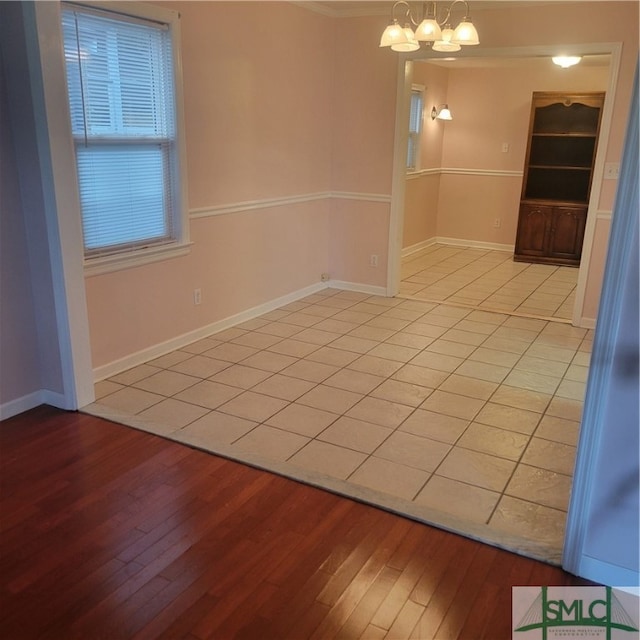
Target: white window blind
point(415, 128)
point(121, 89)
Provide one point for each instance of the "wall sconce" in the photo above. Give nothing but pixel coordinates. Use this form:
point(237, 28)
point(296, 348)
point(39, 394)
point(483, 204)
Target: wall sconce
point(434, 31)
point(441, 113)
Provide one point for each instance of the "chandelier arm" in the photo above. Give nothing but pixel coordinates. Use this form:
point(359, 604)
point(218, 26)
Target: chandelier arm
point(407, 13)
point(450, 9)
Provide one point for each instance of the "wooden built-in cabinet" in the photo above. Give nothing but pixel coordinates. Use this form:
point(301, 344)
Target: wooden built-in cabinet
point(563, 135)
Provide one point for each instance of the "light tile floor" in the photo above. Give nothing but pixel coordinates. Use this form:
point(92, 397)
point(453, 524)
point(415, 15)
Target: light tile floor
point(472, 413)
point(489, 280)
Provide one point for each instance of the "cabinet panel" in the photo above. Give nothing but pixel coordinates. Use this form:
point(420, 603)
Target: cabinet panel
point(533, 228)
point(567, 233)
point(550, 235)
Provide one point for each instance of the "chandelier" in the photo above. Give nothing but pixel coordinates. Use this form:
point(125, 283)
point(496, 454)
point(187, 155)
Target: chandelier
point(434, 32)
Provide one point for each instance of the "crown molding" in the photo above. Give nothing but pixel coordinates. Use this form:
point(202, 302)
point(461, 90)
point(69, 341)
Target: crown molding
point(360, 8)
point(338, 9)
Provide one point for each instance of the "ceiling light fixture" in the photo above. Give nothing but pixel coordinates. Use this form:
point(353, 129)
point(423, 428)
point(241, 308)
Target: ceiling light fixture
point(566, 61)
point(429, 29)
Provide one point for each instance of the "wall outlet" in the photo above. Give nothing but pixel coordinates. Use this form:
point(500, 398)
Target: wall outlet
point(324, 277)
point(373, 260)
point(611, 171)
point(497, 223)
point(505, 147)
point(197, 296)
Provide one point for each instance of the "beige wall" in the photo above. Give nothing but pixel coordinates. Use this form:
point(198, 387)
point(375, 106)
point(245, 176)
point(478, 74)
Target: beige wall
point(256, 116)
point(491, 107)
point(420, 210)
point(263, 122)
point(258, 123)
point(363, 112)
point(575, 23)
point(422, 189)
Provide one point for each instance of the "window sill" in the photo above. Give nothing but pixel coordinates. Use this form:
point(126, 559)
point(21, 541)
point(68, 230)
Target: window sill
point(119, 262)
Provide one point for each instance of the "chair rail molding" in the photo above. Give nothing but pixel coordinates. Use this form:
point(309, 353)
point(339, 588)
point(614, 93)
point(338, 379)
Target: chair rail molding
point(269, 203)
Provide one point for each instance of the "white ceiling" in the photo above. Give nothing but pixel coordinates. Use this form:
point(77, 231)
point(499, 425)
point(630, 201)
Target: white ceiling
point(600, 60)
point(352, 8)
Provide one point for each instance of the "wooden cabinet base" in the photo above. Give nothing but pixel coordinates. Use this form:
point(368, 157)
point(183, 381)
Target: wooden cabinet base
point(550, 234)
point(546, 260)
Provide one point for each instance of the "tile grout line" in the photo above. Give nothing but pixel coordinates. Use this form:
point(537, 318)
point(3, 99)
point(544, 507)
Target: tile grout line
point(302, 328)
point(524, 270)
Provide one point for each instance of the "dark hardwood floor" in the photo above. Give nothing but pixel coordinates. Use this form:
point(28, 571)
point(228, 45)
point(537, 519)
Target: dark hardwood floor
point(108, 532)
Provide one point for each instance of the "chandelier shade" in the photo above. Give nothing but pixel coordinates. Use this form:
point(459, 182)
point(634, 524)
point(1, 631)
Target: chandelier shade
point(446, 44)
point(411, 43)
point(465, 33)
point(392, 35)
point(428, 31)
point(435, 33)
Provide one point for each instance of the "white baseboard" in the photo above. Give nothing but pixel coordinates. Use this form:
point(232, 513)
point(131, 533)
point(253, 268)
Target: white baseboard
point(419, 246)
point(456, 242)
point(31, 401)
point(475, 244)
point(371, 289)
point(20, 405)
point(140, 357)
point(587, 323)
point(606, 572)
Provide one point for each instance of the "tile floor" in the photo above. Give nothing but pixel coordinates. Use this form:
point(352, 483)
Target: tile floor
point(489, 280)
point(460, 411)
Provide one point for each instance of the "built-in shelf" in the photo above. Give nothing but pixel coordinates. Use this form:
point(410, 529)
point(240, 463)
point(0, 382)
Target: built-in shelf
point(563, 135)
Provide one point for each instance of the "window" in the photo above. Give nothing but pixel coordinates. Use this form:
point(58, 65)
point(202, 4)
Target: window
point(121, 87)
point(415, 127)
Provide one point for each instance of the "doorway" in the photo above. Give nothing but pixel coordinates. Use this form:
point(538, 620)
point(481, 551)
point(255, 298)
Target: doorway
point(462, 179)
point(470, 182)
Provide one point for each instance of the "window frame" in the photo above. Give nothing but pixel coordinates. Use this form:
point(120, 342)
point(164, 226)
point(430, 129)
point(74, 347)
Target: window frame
point(180, 244)
point(414, 138)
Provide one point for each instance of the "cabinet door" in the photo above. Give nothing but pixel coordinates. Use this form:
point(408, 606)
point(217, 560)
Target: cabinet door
point(534, 226)
point(567, 233)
